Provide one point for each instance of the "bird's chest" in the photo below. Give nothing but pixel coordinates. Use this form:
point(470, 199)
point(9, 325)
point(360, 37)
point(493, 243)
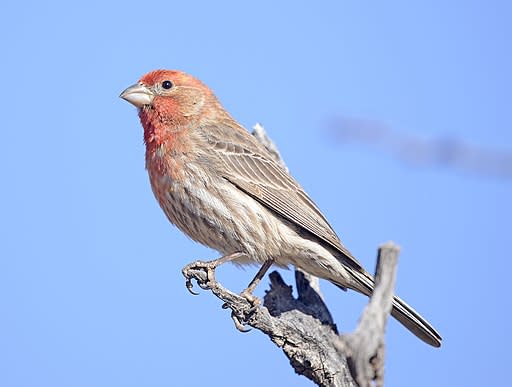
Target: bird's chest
point(178, 185)
point(166, 172)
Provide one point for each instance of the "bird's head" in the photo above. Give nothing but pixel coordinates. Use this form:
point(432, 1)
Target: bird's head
point(170, 101)
point(172, 98)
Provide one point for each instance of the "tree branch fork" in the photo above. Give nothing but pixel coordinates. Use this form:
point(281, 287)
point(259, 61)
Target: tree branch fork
point(304, 329)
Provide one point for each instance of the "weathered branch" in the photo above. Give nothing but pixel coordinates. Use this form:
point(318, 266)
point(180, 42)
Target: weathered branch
point(366, 345)
point(303, 327)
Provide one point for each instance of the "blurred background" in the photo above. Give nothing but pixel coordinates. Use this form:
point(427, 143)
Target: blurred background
point(394, 116)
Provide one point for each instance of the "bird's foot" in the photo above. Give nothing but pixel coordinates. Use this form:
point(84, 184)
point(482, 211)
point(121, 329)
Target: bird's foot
point(251, 298)
point(240, 318)
point(204, 272)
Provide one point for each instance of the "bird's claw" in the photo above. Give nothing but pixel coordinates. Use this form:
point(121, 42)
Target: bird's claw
point(202, 272)
point(190, 286)
point(238, 321)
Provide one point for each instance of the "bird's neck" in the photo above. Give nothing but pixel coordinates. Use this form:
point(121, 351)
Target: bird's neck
point(164, 140)
point(156, 130)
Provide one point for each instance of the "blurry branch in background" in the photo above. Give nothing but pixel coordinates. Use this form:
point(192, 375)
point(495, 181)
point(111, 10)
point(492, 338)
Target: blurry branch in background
point(441, 151)
point(303, 327)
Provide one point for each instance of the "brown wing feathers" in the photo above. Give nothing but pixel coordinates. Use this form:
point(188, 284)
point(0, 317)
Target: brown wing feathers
point(253, 171)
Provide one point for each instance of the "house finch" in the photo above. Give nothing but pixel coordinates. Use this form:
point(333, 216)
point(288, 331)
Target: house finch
point(222, 188)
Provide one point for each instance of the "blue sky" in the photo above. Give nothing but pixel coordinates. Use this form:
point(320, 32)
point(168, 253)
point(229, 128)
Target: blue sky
point(91, 291)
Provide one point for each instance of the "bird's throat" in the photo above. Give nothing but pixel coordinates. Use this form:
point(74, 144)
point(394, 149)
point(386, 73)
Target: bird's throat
point(164, 146)
point(157, 131)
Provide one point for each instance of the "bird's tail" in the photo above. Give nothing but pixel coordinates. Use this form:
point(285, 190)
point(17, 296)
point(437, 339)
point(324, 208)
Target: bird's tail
point(413, 321)
point(405, 314)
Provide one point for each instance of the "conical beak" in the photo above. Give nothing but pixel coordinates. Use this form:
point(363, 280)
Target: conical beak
point(138, 95)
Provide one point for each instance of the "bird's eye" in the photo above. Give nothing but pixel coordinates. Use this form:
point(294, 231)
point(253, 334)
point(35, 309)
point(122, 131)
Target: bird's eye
point(167, 85)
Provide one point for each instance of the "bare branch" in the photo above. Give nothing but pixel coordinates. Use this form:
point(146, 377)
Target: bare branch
point(304, 329)
point(366, 344)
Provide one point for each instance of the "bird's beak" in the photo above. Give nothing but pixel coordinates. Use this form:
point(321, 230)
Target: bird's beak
point(138, 95)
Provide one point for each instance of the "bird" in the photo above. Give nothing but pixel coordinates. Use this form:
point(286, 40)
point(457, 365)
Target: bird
point(221, 187)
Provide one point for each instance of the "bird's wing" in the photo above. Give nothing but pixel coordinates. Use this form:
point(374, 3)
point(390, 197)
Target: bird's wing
point(243, 161)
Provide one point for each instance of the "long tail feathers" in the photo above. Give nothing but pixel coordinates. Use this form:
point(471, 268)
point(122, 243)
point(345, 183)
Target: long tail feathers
point(405, 314)
point(411, 319)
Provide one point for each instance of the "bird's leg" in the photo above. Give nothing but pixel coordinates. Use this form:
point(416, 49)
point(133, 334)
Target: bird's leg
point(247, 292)
point(204, 272)
point(239, 319)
